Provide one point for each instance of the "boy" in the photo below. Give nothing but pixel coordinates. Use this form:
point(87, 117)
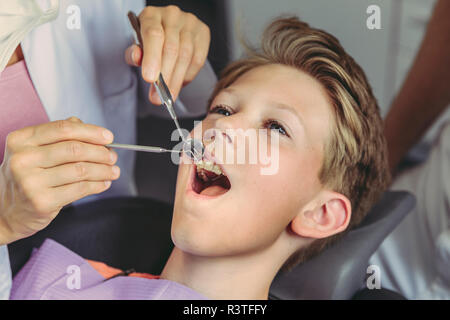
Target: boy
point(232, 227)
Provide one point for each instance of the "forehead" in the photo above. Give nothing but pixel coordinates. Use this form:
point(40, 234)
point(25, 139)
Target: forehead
point(293, 86)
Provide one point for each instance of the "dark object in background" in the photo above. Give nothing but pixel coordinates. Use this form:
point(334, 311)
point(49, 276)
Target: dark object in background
point(377, 294)
point(125, 233)
point(156, 174)
point(214, 14)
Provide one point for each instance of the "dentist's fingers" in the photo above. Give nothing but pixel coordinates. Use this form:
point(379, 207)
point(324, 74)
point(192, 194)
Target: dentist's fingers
point(175, 44)
point(154, 97)
point(201, 44)
point(69, 152)
point(75, 119)
point(152, 33)
point(57, 131)
point(170, 51)
point(184, 60)
point(133, 56)
point(28, 174)
point(77, 172)
point(170, 54)
point(69, 193)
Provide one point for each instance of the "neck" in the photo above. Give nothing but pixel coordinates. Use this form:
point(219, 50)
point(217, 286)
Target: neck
point(224, 278)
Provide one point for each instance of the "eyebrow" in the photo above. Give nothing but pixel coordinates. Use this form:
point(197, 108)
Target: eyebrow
point(275, 104)
point(288, 108)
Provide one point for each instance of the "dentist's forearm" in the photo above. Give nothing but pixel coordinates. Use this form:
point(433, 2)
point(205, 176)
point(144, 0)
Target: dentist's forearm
point(425, 93)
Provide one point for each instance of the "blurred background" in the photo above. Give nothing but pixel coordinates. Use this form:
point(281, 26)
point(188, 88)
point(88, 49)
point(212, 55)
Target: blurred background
point(385, 55)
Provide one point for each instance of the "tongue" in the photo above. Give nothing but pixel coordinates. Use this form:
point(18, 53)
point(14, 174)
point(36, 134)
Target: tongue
point(213, 191)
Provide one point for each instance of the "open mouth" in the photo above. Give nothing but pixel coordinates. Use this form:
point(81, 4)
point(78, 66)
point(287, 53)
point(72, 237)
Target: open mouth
point(209, 180)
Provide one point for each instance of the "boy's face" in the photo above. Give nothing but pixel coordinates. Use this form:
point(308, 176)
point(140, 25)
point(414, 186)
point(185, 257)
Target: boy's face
point(256, 209)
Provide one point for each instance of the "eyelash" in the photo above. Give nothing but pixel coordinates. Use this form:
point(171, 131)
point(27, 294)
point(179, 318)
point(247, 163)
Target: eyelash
point(267, 123)
point(221, 107)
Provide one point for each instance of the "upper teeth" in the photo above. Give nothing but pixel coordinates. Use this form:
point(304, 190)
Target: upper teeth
point(209, 166)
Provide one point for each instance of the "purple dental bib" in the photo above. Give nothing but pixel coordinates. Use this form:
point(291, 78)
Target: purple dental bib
point(55, 273)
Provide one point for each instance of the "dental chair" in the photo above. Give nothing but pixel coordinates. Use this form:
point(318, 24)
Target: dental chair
point(340, 271)
point(134, 233)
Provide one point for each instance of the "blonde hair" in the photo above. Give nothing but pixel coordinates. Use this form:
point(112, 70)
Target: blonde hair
point(355, 156)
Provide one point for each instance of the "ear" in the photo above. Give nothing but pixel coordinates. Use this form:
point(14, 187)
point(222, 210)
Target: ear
point(328, 214)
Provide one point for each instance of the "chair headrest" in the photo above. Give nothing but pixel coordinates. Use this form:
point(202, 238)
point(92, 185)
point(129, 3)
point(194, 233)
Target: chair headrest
point(339, 271)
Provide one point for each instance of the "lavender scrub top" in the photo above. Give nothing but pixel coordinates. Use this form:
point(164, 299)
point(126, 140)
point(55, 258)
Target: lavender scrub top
point(55, 273)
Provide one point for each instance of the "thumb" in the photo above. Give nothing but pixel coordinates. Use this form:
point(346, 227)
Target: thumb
point(133, 56)
point(74, 119)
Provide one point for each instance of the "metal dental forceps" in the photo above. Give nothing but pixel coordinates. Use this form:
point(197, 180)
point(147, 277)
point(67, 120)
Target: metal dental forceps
point(193, 148)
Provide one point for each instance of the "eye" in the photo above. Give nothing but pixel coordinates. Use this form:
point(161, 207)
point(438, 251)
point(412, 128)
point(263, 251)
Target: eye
point(221, 109)
point(275, 125)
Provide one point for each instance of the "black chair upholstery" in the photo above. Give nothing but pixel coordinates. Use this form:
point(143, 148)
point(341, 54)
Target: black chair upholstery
point(124, 233)
point(377, 294)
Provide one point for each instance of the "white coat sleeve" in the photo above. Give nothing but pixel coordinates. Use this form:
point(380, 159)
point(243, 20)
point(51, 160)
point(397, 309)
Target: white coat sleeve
point(5, 274)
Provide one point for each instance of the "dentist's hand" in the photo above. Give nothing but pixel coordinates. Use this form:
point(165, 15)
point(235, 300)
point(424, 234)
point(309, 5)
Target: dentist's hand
point(47, 167)
point(176, 43)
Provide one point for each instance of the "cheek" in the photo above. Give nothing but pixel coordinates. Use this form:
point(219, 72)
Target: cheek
point(294, 182)
point(269, 202)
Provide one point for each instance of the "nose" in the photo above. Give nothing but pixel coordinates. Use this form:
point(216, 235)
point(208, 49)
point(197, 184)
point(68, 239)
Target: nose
point(215, 133)
point(222, 138)
point(226, 127)
point(227, 123)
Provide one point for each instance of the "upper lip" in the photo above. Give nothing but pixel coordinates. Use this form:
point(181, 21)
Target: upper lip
point(209, 157)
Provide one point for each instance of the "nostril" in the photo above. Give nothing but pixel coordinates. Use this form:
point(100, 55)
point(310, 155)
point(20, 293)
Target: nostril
point(211, 134)
point(227, 137)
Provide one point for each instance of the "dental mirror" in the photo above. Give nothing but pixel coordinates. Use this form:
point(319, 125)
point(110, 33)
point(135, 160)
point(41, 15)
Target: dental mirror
point(194, 149)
